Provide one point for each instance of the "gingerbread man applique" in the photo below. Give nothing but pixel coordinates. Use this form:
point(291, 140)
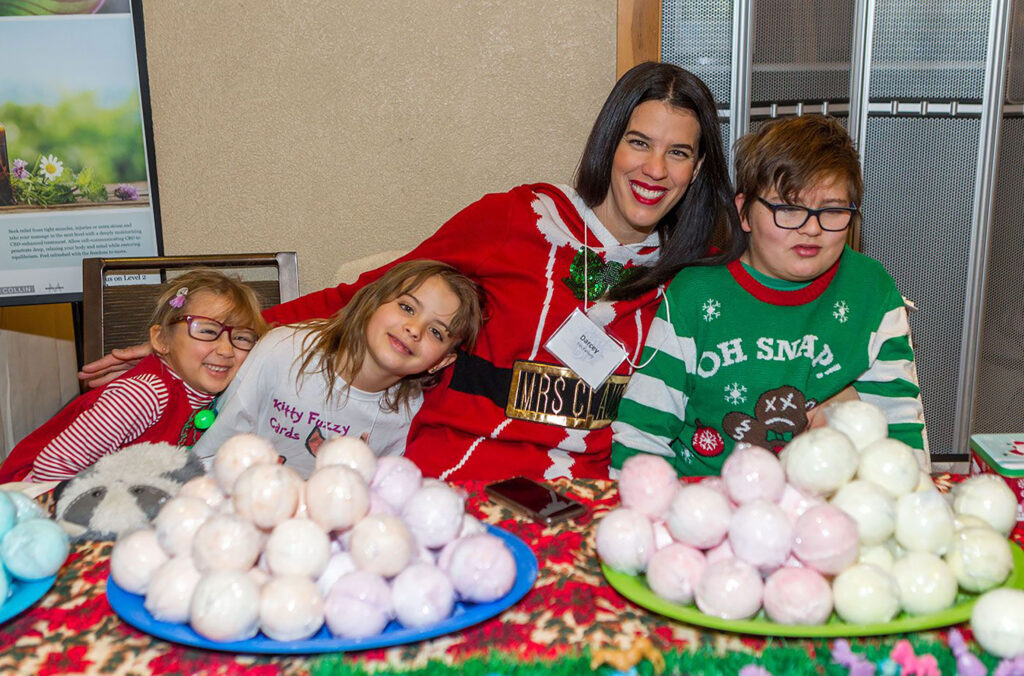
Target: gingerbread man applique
point(779, 415)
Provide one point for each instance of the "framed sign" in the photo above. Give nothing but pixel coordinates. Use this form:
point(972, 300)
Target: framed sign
point(77, 172)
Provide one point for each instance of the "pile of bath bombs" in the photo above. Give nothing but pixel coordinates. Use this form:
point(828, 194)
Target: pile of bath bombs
point(32, 547)
point(252, 547)
point(843, 519)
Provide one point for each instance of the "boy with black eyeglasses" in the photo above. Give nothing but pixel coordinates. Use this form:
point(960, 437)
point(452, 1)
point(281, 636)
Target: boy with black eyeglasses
point(744, 352)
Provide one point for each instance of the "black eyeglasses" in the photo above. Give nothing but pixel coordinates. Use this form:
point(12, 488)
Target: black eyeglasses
point(793, 217)
point(209, 330)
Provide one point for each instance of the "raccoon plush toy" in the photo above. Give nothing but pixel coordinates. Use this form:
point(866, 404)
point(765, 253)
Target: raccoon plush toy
point(123, 490)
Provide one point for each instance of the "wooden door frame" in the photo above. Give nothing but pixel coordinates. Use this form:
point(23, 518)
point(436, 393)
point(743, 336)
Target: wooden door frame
point(638, 33)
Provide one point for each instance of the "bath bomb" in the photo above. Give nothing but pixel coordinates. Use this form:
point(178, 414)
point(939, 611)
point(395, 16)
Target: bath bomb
point(298, 547)
point(8, 514)
point(699, 516)
point(625, 540)
point(338, 565)
point(794, 503)
point(825, 538)
point(258, 575)
point(34, 549)
point(862, 422)
point(423, 596)
point(662, 535)
point(225, 606)
point(359, 605)
point(136, 557)
point(381, 544)
point(169, 595)
point(481, 568)
point(819, 461)
point(336, 497)
point(291, 608)
point(797, 596)
point(731, 590)
point(719, 553)
point(865, 594)
point(761, 535)
point(177, 523)
point(997, 622)
point(987, 497)
point(226, 542)
point(5, 586)
point(25, 507)
point(203, 487)
point(980, 558)
point(871, 506)
point(890, 464)
point(647, 483)
point(926, 583)
point(434, 514)
point(471, 526)
point(238, 454)
point(924, 522)
point(879, 555)
point(753, 473)
point(673, 572)
point(350, 452)
point(962, 521)
point(266, 494)
point(395, 480)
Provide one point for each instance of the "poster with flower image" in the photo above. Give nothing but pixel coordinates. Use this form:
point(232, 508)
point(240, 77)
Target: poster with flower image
point(76, 178)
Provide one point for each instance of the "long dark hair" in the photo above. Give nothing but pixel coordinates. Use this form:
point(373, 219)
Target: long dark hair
point(706, 215)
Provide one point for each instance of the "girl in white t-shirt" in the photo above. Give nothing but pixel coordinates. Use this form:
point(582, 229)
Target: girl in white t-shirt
point(359, 373)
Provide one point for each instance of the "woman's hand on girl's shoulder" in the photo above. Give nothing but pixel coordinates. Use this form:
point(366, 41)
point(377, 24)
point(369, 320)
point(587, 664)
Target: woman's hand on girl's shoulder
point(103, 370)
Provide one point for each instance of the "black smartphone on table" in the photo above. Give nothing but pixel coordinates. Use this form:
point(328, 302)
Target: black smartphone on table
point(535, 500)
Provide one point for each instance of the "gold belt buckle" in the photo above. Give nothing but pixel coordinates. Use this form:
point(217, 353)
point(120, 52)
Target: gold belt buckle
point(555, 395)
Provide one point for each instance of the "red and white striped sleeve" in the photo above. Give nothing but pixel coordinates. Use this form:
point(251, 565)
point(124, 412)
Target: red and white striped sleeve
point(126, 409)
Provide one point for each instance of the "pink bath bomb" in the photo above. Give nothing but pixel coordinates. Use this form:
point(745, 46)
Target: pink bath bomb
point(731, 590)
point(291, 608)
point(177, 523)
point(625, 540)
point(395, 480)
point(481, 568)
point(761, 535)
point(673, 572)
point(753, 473)
point(351, 452)
point(171, 588)
point(794, 503)
point(382, 544)
point(647, 484)
point(825, 538)
point(434, 514)
point(359, 605)
point(719, 553)
point(338, 565)
point(423, 596)
point(336, 497)
point(226, 542)
point(298, 547)
point(238, 454)
point(225, 606)
point(699, 516)
point(267, 494)
point(205, 488)
point(797, 596)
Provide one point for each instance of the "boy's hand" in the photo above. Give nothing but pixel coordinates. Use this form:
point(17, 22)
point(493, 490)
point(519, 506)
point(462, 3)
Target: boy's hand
point(105, 369)
point(816, 416)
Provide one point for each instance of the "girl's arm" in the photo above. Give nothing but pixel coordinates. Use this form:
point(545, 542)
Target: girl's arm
point(122, 413)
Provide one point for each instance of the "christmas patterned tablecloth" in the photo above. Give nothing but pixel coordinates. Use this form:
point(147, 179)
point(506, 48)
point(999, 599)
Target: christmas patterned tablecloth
point(570, 618)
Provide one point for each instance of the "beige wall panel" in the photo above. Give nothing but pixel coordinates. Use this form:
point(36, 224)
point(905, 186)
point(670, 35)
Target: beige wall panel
point(340, 129)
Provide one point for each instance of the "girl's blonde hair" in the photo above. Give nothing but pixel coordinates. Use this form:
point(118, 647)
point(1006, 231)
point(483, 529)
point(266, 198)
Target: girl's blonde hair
point(336, 347)
point(245, 307)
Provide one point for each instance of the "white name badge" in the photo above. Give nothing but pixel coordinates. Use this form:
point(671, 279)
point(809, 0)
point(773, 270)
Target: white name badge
point(584, 347)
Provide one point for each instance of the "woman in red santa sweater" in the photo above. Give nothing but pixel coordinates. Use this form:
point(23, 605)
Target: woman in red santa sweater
point(572, 277)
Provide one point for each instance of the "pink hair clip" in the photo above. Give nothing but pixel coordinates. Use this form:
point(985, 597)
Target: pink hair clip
point(179, 298)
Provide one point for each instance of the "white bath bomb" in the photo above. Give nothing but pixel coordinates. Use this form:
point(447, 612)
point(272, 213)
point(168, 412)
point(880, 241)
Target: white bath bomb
point(481, 568)
point(980, 558)
point(423, 596)
point(298, 547)
point(862, 422)
point(753, 473)
point(819, 461)
point(170, 590)
point(336, 497)
point(259, 576)
point(625, 540)
point(350, 452)
point(226, 542)
point(797, 596)
point(291, 608)
point(926, 583)
point(359, 605)
point(225, 606)
point(825, 538)
point(871, 506)
point(987, 497)
point(338, 565)
point(238, 454)
point(879, 555)
point(136, 557)
point(381, 544)
point(647, 484)
point(699, 516)
point(396, 479)
point(471, 526)
point(962, 521)
point(890, 464)
point(203, 487)
point(794, 503)
point(924, 522)
point(925, 483)
point(673, 572)
point(177, 523)
point(865, 594)
point(266, 494)
point(434, 514)
point(761, 534)
point(997, 622)
point(731, 590)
